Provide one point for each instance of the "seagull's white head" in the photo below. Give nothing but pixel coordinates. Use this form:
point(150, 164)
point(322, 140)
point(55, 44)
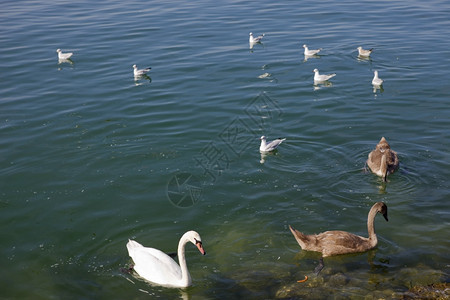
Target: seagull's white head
point(251, 33)
point(304, 46)
point(134, 67)
point(359, 48)
point(263, 138)
point(58, 50)
point(315, 71)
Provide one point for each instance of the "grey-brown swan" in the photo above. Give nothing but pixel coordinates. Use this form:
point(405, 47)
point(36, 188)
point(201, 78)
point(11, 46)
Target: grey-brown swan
point(382, 160)
point(331, 243)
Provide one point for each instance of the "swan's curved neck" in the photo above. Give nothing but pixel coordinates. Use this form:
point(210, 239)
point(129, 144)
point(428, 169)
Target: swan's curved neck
point(370, 226)
point(185, 276)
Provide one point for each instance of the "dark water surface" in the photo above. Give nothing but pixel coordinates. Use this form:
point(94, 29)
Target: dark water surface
point(90, 157)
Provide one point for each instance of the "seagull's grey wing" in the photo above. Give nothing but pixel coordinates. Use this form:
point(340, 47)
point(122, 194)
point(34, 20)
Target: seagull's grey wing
point(273, 144)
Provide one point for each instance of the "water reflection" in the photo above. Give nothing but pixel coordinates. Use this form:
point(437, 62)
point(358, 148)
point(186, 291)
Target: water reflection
point(64, 60)
point(378, 88)
point(268, 76)
point(264, 155)
point(252, 44)
point(265, 75)
point(263, 158)
point(142, 79)
point(364, 58)
point(321, 84)
point(310, 56)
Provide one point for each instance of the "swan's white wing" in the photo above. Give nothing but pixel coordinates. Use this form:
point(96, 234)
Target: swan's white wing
point(154, 265)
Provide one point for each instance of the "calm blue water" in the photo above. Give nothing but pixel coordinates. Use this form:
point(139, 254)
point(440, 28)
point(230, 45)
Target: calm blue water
point(90, 157)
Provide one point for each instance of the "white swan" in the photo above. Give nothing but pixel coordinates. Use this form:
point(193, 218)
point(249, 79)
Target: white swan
point(157, 267)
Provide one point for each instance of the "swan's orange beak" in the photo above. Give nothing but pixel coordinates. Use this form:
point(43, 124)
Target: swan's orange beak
point(200, 247)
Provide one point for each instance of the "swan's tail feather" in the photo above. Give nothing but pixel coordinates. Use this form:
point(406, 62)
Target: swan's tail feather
point(131, 245)
point(300, 237)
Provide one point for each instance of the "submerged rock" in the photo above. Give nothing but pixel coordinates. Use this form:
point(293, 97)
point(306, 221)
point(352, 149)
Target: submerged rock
point(419, 276)
point(338, 279)
point(313, 286)
point(432, 291)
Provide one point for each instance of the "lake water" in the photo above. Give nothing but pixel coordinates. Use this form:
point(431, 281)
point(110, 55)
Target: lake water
point(91, 158)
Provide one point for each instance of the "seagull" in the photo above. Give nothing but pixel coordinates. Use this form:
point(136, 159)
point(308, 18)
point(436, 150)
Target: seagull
point(311, 52)
point(322, 78)
point(363, 52)
point(62, 56)
point(270, 146)
point(377, 81)
point(257, 39)
point(141, 72)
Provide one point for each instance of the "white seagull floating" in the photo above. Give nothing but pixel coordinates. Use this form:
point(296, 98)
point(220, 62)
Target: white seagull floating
point(363, 52)
point(321, 78)
point(309, 52)
point(270, 146)
point(156, 266)
point(141, 72)
point(63, 56)
point(377, 81)
point(253, 40)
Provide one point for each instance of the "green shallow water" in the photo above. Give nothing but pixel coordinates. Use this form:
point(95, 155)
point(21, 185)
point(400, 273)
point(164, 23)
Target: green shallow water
point(90, 157)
